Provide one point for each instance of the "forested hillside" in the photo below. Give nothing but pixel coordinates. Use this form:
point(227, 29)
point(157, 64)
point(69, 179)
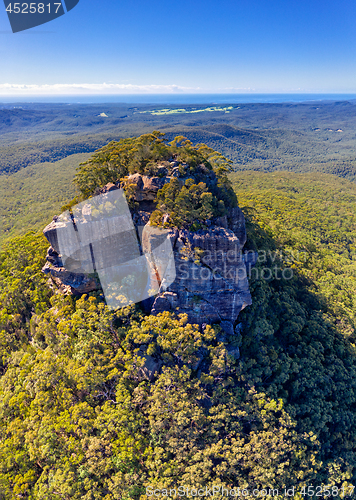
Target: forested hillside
point(299, 340)
point(296, 137)
point(305, 137)
point(29, 198)
point(79, 420)
point(312, 221)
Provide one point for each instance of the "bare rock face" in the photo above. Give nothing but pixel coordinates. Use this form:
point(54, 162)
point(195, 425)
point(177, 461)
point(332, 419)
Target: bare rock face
point(211, 283)
point(236, 222)
point(68, 282)
point(108, 188)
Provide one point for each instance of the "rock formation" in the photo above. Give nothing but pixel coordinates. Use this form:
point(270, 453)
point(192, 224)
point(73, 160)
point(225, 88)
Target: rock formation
point(76, 283)
point(211, 283)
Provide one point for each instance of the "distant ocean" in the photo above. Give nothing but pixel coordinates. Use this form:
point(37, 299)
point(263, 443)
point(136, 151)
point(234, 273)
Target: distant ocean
point(180, 99)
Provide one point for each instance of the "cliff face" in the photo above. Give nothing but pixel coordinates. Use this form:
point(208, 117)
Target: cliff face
point(211, 284)
point(67, 281)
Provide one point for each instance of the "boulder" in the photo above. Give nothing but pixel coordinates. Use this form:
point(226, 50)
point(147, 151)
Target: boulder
point(233, 351)
point(69, 282)
point(151, 365)
point(107, 188)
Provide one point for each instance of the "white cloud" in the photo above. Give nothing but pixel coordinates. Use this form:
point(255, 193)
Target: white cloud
point(106, 88)
point(92, 88)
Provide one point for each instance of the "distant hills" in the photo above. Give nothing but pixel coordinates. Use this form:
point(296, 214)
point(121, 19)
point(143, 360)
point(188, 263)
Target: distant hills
point(295, 137)
point(42, 144)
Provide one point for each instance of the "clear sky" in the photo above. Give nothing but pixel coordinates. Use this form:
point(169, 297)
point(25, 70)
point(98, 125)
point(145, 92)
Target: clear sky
point(128, 46)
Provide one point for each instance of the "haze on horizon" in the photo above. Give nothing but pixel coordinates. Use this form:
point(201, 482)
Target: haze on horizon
point(185, 47)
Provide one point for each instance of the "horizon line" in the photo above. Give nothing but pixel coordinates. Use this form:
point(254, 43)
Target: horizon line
point(217, 92)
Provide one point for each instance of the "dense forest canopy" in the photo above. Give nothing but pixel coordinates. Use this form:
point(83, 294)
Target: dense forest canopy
point(80, 420)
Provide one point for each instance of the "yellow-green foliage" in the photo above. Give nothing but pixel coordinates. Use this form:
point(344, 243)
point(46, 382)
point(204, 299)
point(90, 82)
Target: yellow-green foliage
point(23, 292)
point(187, 206)
point(78, 420)
point(311, 219)
point(143, 154)
point(206, 193)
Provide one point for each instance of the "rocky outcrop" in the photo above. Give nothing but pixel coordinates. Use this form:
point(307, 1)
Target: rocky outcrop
point(76, 283)
point(68, 282)
point(146, 187)
point(211, 283)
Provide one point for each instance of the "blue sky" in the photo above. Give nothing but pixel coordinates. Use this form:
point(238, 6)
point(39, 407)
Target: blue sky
point(121, 46)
